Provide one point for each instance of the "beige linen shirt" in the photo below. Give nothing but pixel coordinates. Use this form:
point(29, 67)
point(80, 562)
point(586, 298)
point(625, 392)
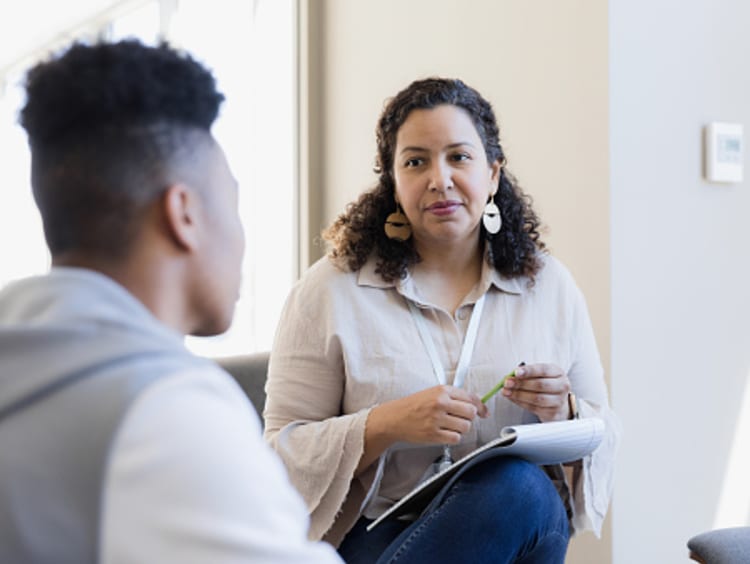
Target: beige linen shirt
point(347, 341)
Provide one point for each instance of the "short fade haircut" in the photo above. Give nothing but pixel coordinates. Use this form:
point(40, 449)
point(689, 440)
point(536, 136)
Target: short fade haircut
point(108, 124)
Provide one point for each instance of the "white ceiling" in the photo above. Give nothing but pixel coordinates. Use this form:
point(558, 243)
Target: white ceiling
point(27, 24)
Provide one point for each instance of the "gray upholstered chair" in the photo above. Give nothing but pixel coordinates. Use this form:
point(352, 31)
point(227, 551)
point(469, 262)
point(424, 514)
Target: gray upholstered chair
point(721, 546)
point(250, 371)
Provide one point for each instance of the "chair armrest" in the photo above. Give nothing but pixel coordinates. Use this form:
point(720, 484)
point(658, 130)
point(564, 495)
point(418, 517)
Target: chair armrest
point(721, 546)
point(250, 371)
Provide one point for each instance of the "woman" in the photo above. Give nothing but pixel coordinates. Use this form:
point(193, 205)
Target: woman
point(437, 284)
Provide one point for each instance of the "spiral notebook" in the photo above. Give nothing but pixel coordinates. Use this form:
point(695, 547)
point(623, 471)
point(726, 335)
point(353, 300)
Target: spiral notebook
point(541, 443)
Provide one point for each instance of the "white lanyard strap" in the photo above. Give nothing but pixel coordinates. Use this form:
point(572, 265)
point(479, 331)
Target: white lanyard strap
point(467, 348)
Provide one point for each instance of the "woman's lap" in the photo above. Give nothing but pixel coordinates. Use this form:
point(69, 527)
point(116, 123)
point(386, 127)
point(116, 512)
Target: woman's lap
point(501, 510)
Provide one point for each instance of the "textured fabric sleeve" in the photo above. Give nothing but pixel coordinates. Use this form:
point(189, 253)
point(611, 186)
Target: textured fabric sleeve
point(191, 480)
point(593, 481)
point(320, 446)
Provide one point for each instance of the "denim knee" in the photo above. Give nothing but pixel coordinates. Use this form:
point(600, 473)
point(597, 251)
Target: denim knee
point(511, 486)
point(503, 509)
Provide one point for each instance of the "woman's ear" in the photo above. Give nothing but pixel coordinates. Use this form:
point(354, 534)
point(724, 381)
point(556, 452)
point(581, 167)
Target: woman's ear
point(180, 210)
point(495, 169)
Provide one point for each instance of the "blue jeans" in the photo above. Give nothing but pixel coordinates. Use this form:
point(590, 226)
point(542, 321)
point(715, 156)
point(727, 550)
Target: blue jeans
point(503, 510)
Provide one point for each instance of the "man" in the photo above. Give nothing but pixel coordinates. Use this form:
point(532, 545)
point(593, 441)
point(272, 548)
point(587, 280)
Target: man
point(116, 444)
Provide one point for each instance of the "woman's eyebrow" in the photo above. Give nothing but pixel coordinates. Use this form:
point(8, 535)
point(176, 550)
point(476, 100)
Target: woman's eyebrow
point(460, 144)
point(413, 148)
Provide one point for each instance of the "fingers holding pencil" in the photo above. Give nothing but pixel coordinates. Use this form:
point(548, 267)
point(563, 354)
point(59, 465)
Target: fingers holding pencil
point(541, 388)
point(499, 386)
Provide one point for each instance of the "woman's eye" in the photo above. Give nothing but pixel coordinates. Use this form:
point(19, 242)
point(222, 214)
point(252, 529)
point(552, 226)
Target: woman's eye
point(459, 157)
point(411, 163)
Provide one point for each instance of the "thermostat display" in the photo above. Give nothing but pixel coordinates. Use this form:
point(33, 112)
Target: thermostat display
point(723, 152)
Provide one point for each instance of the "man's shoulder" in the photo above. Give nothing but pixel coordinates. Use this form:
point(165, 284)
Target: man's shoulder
point(198, 385)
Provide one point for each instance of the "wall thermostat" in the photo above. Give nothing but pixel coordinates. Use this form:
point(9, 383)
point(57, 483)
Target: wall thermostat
point(723, 152)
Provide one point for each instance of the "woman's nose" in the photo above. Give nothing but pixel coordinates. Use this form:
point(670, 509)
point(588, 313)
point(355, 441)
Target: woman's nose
point(440, 178)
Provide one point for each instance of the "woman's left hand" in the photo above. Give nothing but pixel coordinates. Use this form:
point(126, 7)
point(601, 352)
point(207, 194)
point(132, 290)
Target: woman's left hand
point(542, 389)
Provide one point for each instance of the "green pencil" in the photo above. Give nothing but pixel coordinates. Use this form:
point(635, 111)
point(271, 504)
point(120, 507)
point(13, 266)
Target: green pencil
point(499, 385)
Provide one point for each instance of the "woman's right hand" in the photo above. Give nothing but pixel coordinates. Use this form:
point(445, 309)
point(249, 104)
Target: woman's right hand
point(437, 415)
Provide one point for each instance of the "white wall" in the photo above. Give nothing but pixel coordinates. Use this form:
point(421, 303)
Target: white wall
point(680, 274)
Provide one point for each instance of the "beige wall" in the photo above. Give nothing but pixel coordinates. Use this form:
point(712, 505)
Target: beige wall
point(542, 64)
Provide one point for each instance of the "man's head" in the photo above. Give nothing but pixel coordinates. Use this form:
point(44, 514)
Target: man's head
point(123, 157)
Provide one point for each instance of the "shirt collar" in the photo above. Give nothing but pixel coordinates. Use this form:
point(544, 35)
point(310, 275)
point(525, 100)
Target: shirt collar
point(507, 284)
point(490, 277)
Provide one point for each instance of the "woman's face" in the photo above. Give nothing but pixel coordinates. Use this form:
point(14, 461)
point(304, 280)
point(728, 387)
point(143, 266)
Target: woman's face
point(442, 176)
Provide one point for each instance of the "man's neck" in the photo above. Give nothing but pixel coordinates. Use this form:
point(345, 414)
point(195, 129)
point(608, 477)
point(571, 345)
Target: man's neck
point(147, 281)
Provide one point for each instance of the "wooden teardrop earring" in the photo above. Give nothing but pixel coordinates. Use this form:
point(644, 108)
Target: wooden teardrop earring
point(397, 226)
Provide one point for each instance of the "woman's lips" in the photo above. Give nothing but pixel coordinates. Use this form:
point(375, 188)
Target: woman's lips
point(443, 207)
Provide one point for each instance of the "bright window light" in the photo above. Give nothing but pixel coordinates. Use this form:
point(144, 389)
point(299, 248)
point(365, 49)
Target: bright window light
point(249, 46)
point(22, 245)
point(734, 504)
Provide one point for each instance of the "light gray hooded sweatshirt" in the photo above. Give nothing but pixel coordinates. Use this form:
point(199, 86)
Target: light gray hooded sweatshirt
point(75, 350)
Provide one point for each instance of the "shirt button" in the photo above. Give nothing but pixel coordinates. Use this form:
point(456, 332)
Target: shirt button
point(462, 314)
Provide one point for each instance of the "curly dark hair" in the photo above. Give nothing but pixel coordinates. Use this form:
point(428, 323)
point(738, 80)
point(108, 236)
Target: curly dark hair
point(358, 233)
point(108, 124)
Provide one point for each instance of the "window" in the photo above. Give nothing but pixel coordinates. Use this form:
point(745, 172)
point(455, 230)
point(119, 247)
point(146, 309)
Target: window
point(250, 48)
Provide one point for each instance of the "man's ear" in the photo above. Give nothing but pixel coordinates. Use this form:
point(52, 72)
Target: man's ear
point(180, 208)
